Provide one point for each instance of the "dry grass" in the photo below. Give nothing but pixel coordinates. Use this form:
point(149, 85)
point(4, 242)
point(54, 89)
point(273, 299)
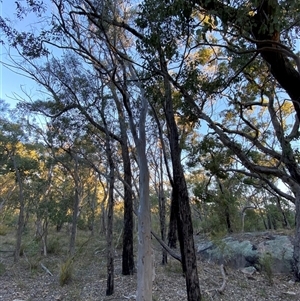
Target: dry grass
point(87, 271)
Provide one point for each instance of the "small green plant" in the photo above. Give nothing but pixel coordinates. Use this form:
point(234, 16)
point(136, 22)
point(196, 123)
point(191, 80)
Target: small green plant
point(66, 271)
point(173, 267)
point(266, 261)
point(3, 230)
point(53, 246)
point(2, 269)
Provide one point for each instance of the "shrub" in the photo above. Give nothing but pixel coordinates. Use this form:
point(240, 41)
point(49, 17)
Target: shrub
point(266, 261)
point(53, 246)
point(66, 271)
point(3, 230)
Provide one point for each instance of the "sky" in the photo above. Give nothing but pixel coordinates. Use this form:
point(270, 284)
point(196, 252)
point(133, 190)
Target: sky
point(11, 83)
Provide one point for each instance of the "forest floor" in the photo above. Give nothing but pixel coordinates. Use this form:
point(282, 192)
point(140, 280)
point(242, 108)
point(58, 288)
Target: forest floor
point(29, 281)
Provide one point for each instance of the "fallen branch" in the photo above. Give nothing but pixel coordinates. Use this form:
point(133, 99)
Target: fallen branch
point(166, 247)
point(47, 271)
point(222, 287)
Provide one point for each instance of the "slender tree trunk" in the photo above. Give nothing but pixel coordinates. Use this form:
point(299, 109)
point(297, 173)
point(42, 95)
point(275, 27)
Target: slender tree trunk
point(75, 209)
point(285, 222)
point(45, 236)
point(41, 232)
point(227, 216)
point(144, 276)
point(162, 210)
point(103, 218)
point(109, 233)
point(21, 218)
point(127, 252)
point(145, 260)
point(172, 235)
point(110, 213)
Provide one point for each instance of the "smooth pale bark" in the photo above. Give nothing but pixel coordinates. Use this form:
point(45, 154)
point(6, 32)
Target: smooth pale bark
point(145, 259)
point(144, 264)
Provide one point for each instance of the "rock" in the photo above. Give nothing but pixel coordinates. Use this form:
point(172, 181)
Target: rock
point(280, 250)
point(249, 270)
point(249, 250)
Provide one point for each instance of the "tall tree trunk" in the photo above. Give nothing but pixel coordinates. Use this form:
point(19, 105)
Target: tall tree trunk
point(109, 233)
point(145, 260)
point(21, 218)
point(181, 200)
point(110, 213)
point(127, 252)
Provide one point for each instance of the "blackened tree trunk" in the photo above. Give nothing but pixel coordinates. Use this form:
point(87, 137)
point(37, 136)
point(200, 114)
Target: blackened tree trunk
point(285, 222)
point(109, 232)
point(172, 234)
point(181, 200)
point(127, 252)
point(162, 208)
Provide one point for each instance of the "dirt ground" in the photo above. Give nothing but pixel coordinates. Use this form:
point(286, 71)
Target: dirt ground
point(29, 281)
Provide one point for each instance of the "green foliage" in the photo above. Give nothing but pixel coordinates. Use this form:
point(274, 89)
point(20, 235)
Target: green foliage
point(30, 247)
point(54, 246)
point(66, 271)
point(173, 267)
point(253, 221)
point(2, 269)
point(266, 261)
point(3, 229)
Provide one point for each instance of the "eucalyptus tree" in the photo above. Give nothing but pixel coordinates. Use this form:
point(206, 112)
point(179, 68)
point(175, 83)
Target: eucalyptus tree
point(18, 157)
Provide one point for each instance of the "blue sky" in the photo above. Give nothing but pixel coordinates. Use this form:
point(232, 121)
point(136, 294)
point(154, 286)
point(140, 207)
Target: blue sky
point(12, 83)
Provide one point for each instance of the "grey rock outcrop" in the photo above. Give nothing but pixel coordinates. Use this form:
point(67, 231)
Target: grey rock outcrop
point(250, 249)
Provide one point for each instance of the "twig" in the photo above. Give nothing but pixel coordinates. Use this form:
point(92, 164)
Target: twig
point(222, 287)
